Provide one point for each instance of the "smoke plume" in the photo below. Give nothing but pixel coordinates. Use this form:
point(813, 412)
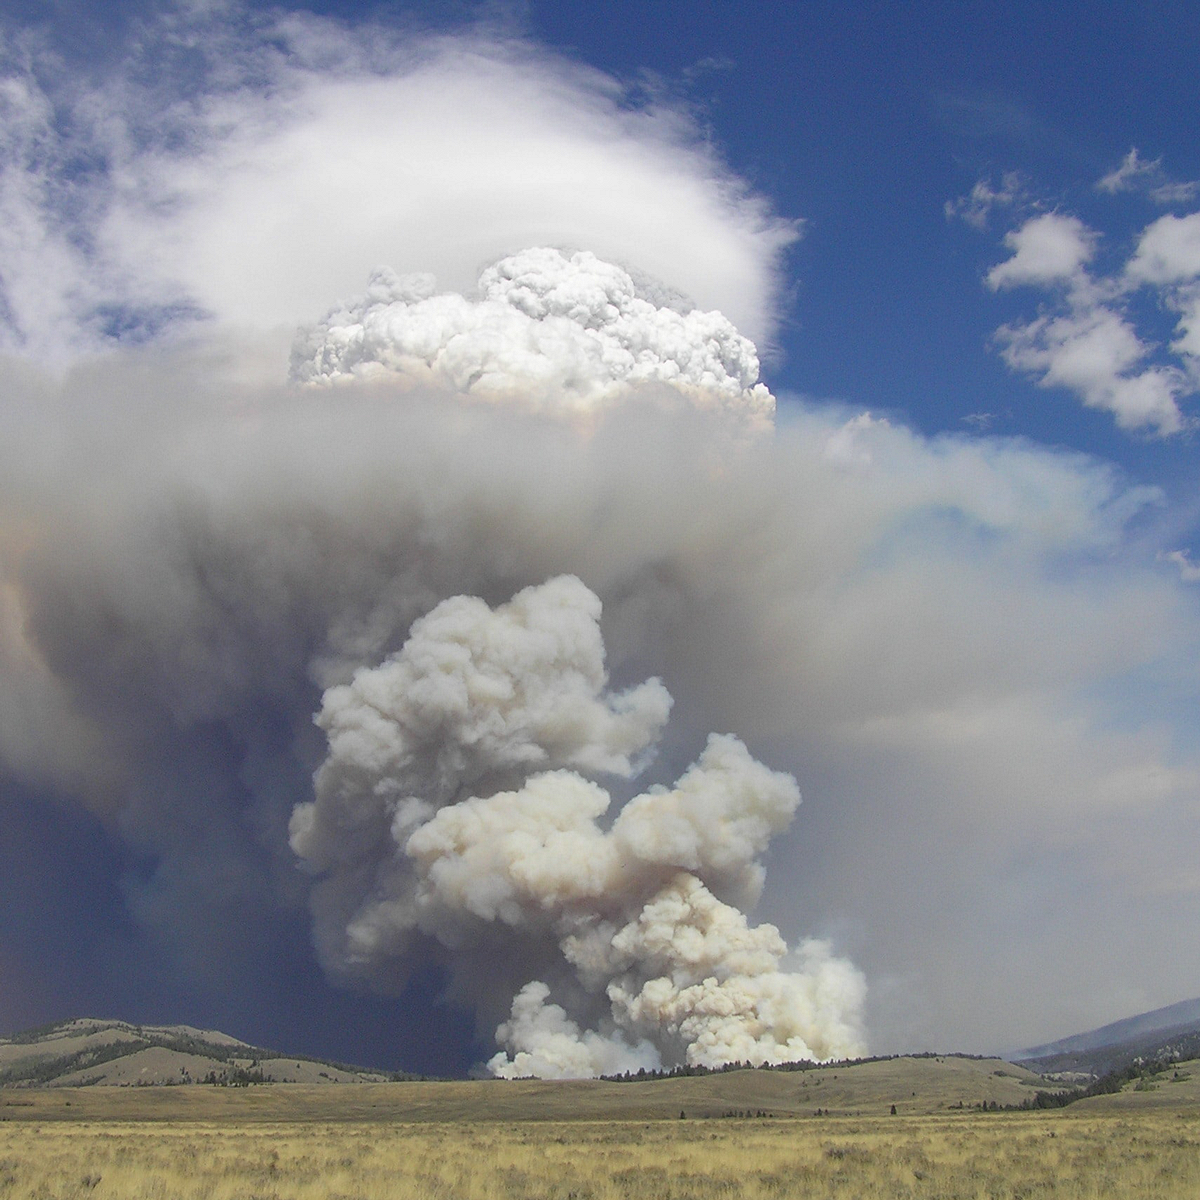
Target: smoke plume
point(491, 533)
point(455, 801)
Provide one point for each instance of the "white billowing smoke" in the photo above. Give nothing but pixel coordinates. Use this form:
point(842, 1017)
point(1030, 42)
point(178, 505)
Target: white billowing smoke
point(558, 332)
point(948, 641)
point(954, 642)
point(455, 804)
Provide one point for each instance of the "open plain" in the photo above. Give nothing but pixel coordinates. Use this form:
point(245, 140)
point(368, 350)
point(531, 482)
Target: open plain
point(594, 1141)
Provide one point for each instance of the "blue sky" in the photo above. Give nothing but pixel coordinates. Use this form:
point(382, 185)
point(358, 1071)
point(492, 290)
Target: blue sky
point(967, 623)
point(864, 125)
point(865, 122)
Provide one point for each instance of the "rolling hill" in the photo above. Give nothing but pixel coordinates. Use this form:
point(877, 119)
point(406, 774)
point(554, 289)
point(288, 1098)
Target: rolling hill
point(91, 1064)
point(90, 1051)
point(86, 1057)
point(915, 1086)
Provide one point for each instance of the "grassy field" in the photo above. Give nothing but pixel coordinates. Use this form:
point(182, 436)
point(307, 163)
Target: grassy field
point(531, 1140)
point(1155, 1153)
point(914, 1085)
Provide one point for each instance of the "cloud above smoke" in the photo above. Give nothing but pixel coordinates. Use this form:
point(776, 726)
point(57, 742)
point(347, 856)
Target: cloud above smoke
point(976, 658)
point(562, 333)
point(221, 170)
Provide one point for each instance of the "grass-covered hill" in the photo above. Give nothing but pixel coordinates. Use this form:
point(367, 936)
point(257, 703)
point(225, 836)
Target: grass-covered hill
point(91, 1051)
point(914, 1085)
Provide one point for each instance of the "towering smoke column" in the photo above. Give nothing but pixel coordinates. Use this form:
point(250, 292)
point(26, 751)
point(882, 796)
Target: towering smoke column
point(456, 804)
point(956, 641)
point(472, 808)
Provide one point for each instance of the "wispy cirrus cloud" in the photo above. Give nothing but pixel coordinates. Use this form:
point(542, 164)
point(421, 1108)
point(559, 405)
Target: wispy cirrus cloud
point(977, 205)
point(1137, 174)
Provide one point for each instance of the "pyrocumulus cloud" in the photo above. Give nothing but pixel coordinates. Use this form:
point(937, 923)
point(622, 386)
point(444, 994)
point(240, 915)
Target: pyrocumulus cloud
point(548, 330)
point(384, 653)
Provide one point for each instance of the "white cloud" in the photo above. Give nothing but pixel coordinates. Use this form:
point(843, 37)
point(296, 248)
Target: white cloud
point(1087, 342)
point(1094, 352)
point(541, 152)
point(1186, 301)
point(1132, 168)
point(976, 206)
point(1168, 251)
point(1046, 250)
point(552, 332)
point(1135, 174)
point(981, 422)
point(1188, 571)
point(1175, 193)
point(311, 155)
point(1168, 257)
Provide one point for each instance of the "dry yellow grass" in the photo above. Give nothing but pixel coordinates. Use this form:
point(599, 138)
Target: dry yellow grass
point(1155, 1153)
point(915, 1086)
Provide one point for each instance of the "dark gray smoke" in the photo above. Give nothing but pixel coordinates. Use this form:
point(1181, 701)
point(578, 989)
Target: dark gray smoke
point(966, 654)
point(247, 567)
point(188, 585)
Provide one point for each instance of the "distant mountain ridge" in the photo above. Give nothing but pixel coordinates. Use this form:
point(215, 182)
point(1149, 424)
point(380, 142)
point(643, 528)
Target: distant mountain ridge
point(1186, 1012)
point(88, 1050)
point(1172, 1032)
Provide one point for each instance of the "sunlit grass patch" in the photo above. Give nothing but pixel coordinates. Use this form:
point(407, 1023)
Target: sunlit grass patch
point(952, 1157)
